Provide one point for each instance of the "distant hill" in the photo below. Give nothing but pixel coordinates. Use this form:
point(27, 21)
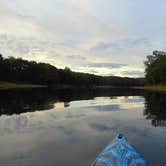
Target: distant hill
point(23, 71)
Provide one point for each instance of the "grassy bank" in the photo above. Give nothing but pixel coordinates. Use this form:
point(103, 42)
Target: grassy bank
point(153, 88)
point(10, 85)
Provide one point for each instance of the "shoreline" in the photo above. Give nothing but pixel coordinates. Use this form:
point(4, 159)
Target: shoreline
point(12, 85)
point(152, 87)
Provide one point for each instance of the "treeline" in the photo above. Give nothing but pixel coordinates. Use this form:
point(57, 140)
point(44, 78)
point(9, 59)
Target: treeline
point(23, 71)
point(155, 72)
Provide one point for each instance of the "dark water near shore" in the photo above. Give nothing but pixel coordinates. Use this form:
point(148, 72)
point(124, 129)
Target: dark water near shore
point(43, 127)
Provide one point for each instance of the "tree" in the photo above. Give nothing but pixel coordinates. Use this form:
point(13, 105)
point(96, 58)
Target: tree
point(67, 69)
point(155, 70)
point(1, 57)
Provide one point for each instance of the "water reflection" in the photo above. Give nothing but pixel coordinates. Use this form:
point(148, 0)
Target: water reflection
point(19, 101)
point(45, 127)
point(155, 108)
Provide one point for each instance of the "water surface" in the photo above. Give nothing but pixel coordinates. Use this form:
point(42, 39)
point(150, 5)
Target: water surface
point(69, 128)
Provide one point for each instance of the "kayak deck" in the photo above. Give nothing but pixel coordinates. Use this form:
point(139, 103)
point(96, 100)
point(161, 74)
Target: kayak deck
point(119, 153)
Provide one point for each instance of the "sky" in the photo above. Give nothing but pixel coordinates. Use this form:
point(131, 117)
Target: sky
point(103, 37)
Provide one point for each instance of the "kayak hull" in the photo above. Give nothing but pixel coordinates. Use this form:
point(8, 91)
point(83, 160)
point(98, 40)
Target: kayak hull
point(119, 153)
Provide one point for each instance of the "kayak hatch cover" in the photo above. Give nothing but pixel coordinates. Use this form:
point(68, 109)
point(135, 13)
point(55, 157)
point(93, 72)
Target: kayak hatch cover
point(120, 153)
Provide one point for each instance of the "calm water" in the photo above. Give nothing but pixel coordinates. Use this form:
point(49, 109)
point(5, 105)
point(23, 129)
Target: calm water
point(69, 128)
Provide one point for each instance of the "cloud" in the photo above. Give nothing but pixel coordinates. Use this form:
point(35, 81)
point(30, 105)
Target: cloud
point(44, 50)
point(77, 57)
point(121, 44)
point(134, 73)
point(105, 65)
point(136, 42)
point(104, 46)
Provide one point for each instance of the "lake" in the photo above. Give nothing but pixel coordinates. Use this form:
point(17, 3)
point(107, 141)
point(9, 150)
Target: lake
point(44, 127)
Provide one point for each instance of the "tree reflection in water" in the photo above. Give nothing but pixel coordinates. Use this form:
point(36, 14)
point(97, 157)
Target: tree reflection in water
point(20, 101)
point(155, 108)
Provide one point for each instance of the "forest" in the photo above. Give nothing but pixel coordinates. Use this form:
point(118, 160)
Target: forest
point(19, 70)
point(155, 71)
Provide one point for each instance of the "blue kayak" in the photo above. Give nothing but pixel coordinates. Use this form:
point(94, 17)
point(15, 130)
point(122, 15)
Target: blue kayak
point(119, 153)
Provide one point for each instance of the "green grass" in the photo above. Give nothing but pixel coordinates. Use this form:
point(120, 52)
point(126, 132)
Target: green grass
point(10, 85)
point(153, 87)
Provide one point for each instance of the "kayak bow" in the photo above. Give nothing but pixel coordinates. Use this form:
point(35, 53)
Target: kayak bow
point(119, 153)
